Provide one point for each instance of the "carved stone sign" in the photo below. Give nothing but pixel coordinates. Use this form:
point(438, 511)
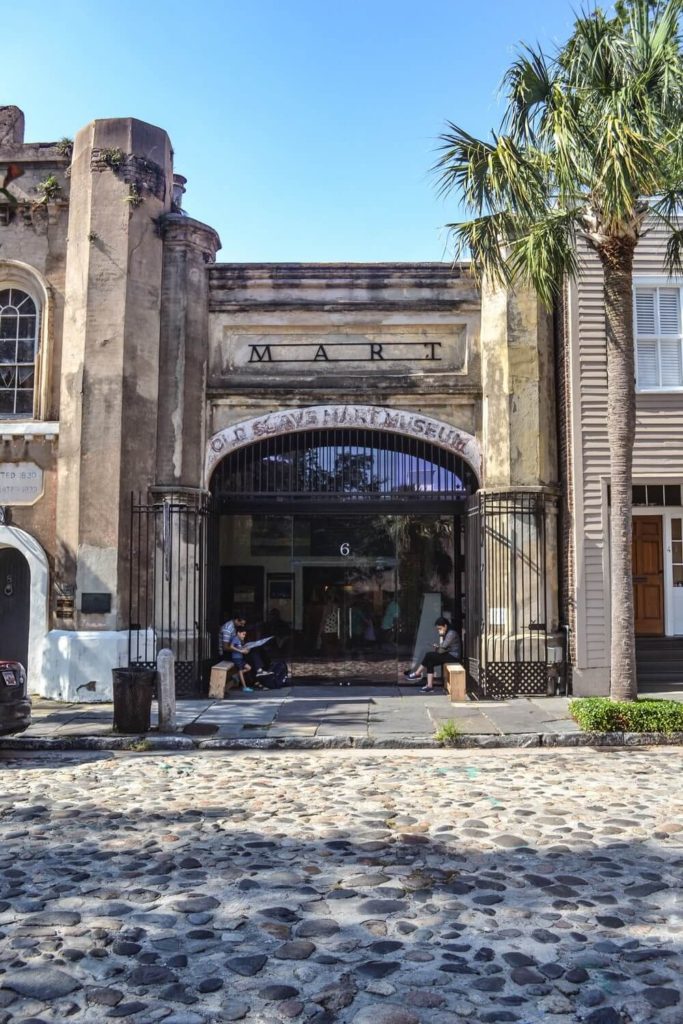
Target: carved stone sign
point(21, 483)
point(375, 417)
point(402, 348)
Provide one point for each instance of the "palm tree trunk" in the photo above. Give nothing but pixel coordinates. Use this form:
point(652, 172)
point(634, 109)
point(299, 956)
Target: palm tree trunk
point(617, 261)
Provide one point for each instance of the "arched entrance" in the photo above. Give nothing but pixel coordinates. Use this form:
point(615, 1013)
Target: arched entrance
point(24, 584)
point(337, 529)
point(340, 531)
point(344, 543)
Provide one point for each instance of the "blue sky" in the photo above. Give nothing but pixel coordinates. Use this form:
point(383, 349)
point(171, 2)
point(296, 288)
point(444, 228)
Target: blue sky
point(306, 128)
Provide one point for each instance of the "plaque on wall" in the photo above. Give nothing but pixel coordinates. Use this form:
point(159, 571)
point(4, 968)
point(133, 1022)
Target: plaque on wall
point(96, 604)
point(404, 348)
point(21, 483)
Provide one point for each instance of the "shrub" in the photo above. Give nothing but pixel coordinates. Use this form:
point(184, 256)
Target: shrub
point(600, 714)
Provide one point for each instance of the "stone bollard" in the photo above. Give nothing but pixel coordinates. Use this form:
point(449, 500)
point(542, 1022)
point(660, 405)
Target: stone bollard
point(166, 670)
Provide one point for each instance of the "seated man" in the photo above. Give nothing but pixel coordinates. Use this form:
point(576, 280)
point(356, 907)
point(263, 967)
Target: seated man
point(227, 633)
point(447, 649)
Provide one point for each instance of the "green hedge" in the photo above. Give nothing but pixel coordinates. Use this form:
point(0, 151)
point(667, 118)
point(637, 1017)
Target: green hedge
point(600, 714)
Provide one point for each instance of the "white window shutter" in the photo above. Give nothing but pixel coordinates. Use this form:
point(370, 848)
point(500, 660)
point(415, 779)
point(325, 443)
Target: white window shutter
point(648, 371)
point(670, 359)
point(645, 310)
point(669, 311)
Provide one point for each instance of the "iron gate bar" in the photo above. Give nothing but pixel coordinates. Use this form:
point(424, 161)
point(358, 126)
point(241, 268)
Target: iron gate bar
point(167, 586)
point(508, 601)
point(360, 465)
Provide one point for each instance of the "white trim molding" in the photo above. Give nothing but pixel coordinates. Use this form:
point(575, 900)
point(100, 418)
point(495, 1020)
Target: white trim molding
point(372, 417)
point(29, 428)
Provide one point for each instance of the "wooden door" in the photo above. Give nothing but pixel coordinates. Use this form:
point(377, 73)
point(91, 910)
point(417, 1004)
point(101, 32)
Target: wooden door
point(648, 575)
point(15, 605)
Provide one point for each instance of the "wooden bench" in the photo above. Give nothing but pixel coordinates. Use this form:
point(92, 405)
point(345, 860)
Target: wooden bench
point(455, 682)
point(223, 679)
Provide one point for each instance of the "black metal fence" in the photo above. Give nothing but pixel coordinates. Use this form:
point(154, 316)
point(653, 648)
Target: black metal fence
point(168, 588)
point(509, 598)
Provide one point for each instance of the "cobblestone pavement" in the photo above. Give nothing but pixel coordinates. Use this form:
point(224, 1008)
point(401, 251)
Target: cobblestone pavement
point(355, 886)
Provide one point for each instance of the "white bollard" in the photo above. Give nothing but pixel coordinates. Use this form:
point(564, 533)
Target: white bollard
point(166, 670)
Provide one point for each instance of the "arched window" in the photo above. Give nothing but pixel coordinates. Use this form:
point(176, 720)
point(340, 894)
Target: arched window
point(19, 333)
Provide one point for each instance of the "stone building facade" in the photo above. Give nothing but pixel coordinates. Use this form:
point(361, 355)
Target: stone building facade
point(349, 448)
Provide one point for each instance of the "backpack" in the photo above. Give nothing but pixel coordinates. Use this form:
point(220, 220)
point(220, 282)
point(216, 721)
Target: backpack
point(278, 675)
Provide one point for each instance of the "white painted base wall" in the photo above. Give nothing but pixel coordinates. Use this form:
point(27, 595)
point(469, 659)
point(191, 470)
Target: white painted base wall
point(590, 682)
point(77, 665)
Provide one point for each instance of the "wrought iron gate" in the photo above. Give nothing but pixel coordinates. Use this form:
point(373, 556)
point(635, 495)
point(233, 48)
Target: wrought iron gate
point(509, 605)
point(169, 586)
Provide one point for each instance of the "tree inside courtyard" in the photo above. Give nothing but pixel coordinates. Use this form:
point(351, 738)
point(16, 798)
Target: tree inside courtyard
point(590, 148)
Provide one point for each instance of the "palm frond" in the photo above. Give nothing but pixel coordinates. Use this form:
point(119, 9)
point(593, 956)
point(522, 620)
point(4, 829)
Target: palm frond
point(484, 240)
point(673, 260)
point(545, 254)
point(491, 175)
point(528, 85)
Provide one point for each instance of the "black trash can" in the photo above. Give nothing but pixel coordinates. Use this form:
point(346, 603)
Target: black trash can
point(133, 692)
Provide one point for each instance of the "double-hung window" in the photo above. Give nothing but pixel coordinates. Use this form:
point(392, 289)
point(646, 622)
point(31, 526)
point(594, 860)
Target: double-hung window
point(18, 348)
point(659, 337)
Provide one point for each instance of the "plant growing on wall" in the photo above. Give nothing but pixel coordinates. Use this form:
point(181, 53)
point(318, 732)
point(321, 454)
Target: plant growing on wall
point(65, 147)
point(135, 197)
point(588, 133)
point(48, 189)
point(113, 158)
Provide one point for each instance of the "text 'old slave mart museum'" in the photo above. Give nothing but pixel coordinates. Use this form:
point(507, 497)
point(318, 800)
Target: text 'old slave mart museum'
point(346, 450)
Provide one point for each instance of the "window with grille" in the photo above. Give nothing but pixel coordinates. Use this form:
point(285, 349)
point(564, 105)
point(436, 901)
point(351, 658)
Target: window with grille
point(18, 347)
point(659, 359)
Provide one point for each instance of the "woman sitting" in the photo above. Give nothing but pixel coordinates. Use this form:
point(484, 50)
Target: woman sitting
point(447, 649)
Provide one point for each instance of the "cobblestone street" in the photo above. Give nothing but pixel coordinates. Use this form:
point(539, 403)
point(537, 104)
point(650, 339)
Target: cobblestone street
point(342, 886)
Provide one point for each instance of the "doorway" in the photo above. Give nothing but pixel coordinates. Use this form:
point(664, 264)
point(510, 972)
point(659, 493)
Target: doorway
point(15, 605)
point(648, 575)
point(346, 597)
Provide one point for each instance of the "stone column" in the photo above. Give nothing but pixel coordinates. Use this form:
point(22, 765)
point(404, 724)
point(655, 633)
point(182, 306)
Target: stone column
point(121, 184)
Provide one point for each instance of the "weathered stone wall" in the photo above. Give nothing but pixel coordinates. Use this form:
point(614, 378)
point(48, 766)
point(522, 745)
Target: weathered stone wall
point(189, 248)
point(121, 181)
point(287, 336)
point(518, 388)
point(33, 242)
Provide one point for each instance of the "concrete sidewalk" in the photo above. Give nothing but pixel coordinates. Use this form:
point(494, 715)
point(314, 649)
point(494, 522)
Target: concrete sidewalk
point(300, 712)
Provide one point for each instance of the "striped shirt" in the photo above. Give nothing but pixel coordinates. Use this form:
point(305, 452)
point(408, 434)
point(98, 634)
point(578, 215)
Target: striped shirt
point(227, 633)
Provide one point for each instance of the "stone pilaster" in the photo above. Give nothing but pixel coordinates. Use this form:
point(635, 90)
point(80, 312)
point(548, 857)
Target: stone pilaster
point(189, 248)
point(121, 184)
point(518, 415)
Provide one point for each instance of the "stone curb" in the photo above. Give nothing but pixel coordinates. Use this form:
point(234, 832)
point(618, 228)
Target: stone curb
point(482, 741)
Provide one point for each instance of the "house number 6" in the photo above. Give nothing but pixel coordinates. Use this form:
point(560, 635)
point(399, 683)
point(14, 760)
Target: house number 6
point(345, 549)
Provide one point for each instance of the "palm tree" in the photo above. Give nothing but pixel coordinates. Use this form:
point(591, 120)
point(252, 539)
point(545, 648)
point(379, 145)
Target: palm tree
point(590, 147)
